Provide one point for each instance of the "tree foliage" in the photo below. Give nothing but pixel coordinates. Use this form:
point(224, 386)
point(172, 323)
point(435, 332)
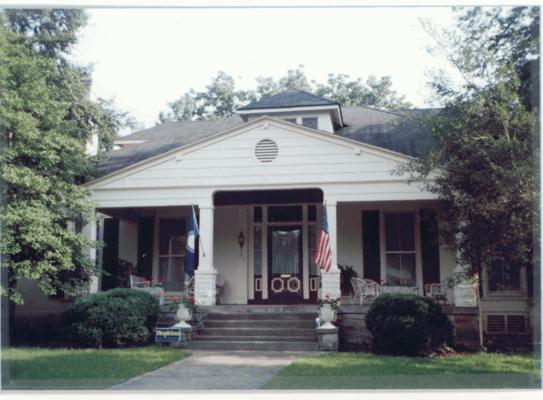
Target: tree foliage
point(482, 163)
point(47, 117)
point(221, 99)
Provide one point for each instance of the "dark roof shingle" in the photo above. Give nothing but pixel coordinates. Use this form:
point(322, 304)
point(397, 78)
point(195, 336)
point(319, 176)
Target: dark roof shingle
point(289, 98)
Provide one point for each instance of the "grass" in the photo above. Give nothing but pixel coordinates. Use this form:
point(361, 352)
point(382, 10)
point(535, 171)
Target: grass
point(42, 368)
point(367, 371)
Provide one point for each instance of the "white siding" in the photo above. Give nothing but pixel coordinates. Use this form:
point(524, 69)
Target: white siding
point(344, 171)
point(324, 119)
point(349, 231)
point(228, 260)
point(302, 159)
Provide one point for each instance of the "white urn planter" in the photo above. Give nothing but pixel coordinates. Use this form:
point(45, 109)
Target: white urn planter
point(183, 314)
point(327, 316)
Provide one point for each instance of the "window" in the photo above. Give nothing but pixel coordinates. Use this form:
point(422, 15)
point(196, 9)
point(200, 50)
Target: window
point(292, 120)
point(503, 277)
point(171, 254)
point(310, 122)
point(257, 233)
point(284, 214)
point(400, 249)
point(313, 267)
point(311, 213)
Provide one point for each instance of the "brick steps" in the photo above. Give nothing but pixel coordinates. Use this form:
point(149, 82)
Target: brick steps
point(238, 329)
point(264, 323)
point(249, 331)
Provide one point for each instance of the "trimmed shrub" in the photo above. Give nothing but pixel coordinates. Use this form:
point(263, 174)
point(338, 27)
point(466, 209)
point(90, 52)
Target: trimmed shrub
point(116, 318)
point(407, 324)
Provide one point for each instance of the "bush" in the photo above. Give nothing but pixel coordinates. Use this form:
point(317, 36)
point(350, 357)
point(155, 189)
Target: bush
point(116, 318)
point(407, 324)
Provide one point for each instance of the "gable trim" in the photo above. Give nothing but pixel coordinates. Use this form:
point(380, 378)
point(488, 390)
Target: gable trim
point(178, 152)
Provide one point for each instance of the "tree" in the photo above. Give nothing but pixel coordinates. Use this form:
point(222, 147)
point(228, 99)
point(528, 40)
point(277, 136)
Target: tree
point(376, 92)
point(481, 161)
point(511, 36)
point(221, 99)
point(47, 117)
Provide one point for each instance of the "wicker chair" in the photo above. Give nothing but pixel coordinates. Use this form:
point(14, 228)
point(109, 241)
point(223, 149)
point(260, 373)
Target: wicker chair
point(355, 283)
point(437, 291)
point(365, 290)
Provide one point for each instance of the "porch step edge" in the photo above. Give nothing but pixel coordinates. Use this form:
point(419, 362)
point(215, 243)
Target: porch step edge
point(252, 345)
point(256, 339)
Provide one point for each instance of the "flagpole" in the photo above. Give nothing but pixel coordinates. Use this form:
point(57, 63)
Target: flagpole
point(198, 229)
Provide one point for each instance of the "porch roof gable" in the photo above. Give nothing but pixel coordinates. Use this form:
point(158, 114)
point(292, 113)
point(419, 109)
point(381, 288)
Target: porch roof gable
point(239, 129)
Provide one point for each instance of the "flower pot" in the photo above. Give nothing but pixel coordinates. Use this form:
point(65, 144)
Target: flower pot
point(183, 313)
point(327, 316)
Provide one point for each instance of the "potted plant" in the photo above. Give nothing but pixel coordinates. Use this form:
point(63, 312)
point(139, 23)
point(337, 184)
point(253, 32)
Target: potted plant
point(328, 308)
point(347, 272)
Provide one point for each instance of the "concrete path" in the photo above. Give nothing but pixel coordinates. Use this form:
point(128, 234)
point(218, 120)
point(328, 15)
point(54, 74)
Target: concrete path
point(215, 370)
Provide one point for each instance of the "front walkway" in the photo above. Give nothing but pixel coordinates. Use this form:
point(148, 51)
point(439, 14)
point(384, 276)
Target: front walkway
point(215, 370)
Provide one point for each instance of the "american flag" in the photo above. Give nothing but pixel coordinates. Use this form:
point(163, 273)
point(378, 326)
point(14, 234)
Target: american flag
point(323, 255)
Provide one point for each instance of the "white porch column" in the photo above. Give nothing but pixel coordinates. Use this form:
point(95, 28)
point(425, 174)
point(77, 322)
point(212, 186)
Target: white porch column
point(206, 275)
point(330, 280)
point(89, 231)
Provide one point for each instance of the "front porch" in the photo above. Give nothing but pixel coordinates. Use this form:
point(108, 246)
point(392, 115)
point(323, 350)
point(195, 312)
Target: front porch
point(257, 247)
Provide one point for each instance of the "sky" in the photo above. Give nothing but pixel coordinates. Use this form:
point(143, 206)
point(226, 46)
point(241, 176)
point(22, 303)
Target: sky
point(145, 58)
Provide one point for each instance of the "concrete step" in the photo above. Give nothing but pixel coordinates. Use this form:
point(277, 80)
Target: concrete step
point(164, 322)
point(230, 323)
point(262, 316)
point(277, 332)
point(261, 308)
point(252, 345)
point(258, 338)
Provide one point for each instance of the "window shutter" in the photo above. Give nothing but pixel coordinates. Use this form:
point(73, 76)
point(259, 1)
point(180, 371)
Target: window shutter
point(429, 237)
point(110, 253)
point(370, 245)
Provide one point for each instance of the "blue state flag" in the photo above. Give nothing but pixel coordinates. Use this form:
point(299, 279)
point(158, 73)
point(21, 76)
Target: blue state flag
point(192, 236)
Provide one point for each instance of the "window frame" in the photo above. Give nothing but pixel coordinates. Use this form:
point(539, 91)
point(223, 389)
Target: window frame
point(417, 252)
point(170, 256)
point(506, 291)
point(498, 295)
point(316, 118)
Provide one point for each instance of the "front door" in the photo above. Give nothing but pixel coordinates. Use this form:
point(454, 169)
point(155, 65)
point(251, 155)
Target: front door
point(285, 264)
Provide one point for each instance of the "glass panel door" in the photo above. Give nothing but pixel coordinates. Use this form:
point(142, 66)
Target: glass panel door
point(285, 272)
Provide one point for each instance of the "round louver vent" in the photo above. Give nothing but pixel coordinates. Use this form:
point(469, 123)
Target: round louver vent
point(266, 151)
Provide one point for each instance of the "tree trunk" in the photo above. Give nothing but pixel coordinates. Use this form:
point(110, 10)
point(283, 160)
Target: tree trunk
point(12, 283)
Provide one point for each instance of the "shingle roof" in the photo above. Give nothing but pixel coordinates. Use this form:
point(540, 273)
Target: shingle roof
point(394, 131)
point(289, 98)
point(161, 138)
point(389, 130)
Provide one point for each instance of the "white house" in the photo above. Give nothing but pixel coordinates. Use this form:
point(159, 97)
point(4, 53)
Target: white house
point(258, 181)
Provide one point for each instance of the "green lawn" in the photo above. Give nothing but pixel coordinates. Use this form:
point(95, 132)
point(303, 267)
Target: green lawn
point(367, 371)
point(41, 368)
